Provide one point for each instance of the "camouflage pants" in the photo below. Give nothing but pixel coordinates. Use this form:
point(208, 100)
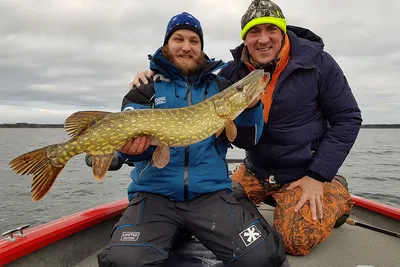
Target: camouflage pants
point(299, 231)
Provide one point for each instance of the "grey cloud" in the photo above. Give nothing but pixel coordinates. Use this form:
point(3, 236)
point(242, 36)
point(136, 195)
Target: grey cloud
point(350, 28)
point(57, 57)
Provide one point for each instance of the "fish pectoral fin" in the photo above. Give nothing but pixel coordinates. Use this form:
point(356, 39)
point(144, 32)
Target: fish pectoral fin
point(79, 121)
point(221, 109)
point(100, 164)
point(231, 130)
point(155, 142)
point(160, 156)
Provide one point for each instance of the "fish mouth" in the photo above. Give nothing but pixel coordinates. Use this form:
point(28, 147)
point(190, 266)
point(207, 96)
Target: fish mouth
point(257, 83)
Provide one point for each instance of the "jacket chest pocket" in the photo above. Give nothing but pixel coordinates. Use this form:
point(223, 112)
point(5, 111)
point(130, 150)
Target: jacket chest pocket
point(164, 95)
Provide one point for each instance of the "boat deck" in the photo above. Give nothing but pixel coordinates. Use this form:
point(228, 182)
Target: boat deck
point(348, 246)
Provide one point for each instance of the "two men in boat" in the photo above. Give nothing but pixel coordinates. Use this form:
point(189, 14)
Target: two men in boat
point(311, 122)
point(193, 191)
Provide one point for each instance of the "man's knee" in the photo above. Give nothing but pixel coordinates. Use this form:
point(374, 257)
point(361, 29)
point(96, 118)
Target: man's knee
point(302, 238)
point(299, 231)
point(130, 256)
point(244, 182)
point(261, 255)
point(298, 247)
point(238, 191)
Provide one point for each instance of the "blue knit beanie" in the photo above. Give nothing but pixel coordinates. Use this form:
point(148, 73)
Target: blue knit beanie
point(184, 21)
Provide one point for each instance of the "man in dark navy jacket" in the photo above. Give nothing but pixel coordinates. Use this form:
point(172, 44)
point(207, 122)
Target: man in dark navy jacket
point(311, 122)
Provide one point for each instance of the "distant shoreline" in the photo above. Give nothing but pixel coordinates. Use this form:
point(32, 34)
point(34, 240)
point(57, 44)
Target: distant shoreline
point(30, 125)
point(381, 126)
point(38, 125)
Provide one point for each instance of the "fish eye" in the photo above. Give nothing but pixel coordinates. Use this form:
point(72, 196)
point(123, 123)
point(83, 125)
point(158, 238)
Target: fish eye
point(240, 88)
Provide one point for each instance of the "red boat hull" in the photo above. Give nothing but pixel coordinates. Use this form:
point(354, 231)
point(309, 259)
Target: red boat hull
point(46, 234)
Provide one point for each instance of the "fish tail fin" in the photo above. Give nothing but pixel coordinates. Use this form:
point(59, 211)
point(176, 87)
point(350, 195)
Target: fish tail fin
point(44, 172)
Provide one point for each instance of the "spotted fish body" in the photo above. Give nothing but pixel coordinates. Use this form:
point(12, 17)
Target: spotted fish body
point(100, 134)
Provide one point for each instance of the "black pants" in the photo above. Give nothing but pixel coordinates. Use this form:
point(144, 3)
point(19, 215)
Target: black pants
point(149, 226)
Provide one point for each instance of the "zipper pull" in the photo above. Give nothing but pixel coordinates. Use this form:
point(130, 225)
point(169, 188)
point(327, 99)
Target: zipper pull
point(187, 93)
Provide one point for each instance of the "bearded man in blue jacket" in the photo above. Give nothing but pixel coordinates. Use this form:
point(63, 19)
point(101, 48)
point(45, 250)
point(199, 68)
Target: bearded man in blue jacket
point(311, 122)
point(192, 193)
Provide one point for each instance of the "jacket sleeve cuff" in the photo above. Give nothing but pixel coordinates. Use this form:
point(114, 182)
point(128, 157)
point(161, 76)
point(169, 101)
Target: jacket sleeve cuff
point(316, 176)
point(251, 116)
point(144, 156)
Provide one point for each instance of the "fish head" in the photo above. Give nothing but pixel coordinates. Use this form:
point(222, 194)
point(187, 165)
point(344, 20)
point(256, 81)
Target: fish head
point(239, 95)
point(251, 86)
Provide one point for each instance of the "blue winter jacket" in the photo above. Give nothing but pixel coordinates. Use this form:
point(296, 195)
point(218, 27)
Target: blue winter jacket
point(199, 168)
point(314, 118)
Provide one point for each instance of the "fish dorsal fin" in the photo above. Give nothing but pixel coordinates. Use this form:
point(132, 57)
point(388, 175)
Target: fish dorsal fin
point(78, 122)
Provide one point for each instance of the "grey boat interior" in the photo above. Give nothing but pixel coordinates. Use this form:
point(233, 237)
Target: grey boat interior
point(348, 246)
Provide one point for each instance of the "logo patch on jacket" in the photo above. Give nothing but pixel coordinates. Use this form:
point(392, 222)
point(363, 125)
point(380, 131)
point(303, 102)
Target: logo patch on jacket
point(129, 108)
point(160, 100)
point(130, 236)
point(250, 235)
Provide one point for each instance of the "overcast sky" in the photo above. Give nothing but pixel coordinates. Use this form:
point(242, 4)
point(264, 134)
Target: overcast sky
point(58, 57)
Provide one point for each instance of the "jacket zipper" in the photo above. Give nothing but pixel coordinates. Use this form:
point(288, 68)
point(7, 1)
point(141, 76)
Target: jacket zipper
point(278, 87)
point(223, 158)
point(186, 170)
point(141, 172)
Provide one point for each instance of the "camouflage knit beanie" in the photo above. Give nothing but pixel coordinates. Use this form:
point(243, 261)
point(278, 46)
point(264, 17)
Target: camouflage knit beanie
point(262, 12)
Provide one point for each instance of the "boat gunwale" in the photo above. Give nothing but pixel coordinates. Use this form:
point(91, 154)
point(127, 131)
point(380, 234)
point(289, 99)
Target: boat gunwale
point(51, 232)
point(383, 209)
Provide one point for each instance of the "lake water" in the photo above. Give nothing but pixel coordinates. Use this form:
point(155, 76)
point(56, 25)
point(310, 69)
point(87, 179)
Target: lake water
point(372, 170)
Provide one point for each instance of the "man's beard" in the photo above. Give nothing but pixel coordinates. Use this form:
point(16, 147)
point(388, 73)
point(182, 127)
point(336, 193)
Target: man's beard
point(188, 67)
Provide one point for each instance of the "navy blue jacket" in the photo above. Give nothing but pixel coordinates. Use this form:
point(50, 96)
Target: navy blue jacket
point(314, 118)
point(199, 168)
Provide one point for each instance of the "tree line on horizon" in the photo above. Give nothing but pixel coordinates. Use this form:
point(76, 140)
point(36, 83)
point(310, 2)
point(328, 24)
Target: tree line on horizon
point(40, 125)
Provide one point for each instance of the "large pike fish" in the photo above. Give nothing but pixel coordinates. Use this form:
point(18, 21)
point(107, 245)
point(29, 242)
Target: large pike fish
point(100, 134)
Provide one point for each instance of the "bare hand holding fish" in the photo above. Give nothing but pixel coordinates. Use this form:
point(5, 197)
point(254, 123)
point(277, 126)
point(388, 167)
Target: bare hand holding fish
point(136, 146)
